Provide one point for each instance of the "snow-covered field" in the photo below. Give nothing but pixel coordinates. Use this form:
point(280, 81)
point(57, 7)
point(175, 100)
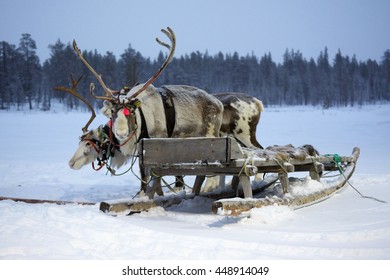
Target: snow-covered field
point(35, 148)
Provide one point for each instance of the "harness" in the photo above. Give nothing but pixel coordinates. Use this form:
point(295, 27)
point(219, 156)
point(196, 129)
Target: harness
point(105, 147)
point(107, 144)
point(169, 109)
point(129, 111)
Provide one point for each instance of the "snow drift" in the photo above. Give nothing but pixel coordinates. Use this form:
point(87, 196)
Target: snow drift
point(36, 146)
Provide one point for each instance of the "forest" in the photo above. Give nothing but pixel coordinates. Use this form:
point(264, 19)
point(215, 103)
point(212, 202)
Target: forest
point(27, 84)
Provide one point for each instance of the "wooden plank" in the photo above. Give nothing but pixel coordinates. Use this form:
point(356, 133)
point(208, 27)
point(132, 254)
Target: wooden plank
point(214, 169)
point(39, 201)
point(283, 178)
point(184, 151)
point(259, 162)
point(143, 204)
point(139, 205)
point(237, 206)
point(216, 156)
point(245, 182)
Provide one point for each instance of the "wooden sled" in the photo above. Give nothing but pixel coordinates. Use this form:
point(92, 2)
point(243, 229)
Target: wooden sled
point(223, 156)
point(237, 206)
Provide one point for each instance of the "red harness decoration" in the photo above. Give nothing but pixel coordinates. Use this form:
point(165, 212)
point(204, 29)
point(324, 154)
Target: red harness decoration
point(127, 113)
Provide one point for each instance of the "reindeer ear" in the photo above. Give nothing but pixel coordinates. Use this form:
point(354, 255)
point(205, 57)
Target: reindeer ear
point(99, 131)
point(107, 109)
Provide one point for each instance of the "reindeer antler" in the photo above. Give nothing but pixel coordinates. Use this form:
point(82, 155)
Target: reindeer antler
point(74, 92)
point(171, 35)
point(109, 93)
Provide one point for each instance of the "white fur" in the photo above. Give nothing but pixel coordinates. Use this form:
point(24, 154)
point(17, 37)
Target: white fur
point(197, 113)
point(153, 111)
point(121, 128)
point(247, 112)
point(188, 111)
point(86, 153)
point(107, 109)
point(122, 132)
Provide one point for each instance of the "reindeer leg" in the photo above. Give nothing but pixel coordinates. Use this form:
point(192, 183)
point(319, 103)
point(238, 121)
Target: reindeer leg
point(155, 187)
point(144, 179)
point(158, 187)
point(179, 183)
point(235, 182)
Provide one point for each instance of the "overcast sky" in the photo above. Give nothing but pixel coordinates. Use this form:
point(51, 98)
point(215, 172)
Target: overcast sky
point(359, 27)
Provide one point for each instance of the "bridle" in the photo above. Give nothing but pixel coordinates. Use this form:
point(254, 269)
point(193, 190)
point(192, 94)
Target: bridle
point(113, 96)
point(129, 112)
point(104, 146)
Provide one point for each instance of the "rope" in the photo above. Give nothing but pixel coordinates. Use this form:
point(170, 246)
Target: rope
point(243, 168)
point(169, 185)
point(124, 143)
point(165, 182)
point(337, 160)
point(101, 164)
point(281, 165)
point(134, 159)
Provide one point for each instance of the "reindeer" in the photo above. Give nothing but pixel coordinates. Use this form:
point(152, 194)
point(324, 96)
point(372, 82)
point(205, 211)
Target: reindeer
point(146, 111)
point(240, 118)
point(173, 111)
point(241, 114)
point(97, 144)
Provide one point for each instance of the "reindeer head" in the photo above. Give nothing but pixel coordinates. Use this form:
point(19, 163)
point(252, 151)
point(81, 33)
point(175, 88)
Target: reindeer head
point(88, 150)
point(89, 147)
point(123, 110)
point(98, 145)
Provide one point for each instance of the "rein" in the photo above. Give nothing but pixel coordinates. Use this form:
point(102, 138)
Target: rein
point(100, 148)
point(118, 144)
point(108, 134)
point(93, 144)
point(100, 166)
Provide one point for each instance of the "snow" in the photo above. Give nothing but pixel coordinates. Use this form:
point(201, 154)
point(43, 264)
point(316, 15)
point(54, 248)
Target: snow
point(35, 148)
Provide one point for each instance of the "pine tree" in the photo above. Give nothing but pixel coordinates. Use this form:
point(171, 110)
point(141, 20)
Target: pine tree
point(385, 75)
point(30, 68)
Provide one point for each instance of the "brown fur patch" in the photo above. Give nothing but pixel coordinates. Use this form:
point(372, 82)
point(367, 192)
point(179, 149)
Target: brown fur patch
point(283, 153)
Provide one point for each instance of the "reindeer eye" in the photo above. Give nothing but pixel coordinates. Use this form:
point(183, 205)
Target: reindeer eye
point(87, 144)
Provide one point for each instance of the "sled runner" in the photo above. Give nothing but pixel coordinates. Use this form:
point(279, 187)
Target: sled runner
point(224, 156)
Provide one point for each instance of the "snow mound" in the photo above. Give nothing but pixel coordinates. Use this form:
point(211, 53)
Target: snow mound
point(38, 145)
point(270, 215)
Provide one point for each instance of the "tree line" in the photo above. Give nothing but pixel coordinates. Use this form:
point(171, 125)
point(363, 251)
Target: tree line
point(25, 82)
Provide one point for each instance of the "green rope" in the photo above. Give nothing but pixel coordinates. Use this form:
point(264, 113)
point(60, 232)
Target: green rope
point(337, 160)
